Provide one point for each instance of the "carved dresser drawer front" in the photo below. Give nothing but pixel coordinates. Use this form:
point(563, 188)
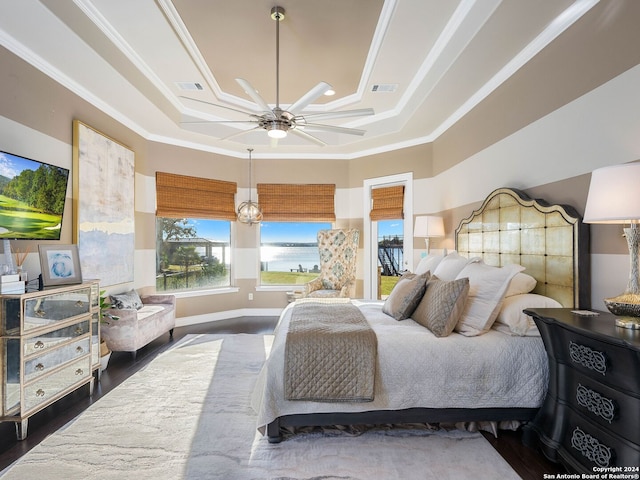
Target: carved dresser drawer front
point(604, 362)
point(49, 386)
point(612, 409)
point(45, 311)
point(596, 447)
point(45, 341)
point(43, 364)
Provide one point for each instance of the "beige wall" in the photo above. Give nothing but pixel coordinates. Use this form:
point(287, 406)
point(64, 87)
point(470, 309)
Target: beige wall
point(573, 109)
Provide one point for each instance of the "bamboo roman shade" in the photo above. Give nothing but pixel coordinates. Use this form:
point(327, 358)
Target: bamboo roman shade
point(387, 203)
point(180, 196)
point(297, 203)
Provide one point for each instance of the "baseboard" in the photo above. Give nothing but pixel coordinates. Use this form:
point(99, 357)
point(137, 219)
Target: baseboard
point(241, 312)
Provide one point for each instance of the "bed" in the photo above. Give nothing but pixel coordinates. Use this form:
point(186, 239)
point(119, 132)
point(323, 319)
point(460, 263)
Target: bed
point(478, 373)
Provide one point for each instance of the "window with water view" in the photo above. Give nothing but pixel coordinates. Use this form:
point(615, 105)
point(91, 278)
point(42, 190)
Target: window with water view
point(289, 252)
point(192, 254)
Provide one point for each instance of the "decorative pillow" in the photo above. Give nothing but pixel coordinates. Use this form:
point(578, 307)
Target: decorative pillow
point(451, 265)
point(442, 304)
point(130, 299)
point(513, 321)
point(406, 295)
point(520, 284)
point(487, 287)
point(428, 263)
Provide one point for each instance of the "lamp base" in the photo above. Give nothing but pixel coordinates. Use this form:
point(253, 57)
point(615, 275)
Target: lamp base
point(627, 308)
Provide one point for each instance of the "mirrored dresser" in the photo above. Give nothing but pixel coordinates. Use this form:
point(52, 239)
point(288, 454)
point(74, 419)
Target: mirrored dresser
point(590, 418)
point(50, 346)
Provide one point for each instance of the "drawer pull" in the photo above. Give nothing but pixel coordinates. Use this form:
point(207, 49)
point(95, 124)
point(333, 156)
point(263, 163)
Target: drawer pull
point(588, 358)
point(38, 344)
point(79, 349)
point(597, 404)
point(40, 313)
point(591, 448)
point(39, 367)
point(78, 331)
point(79, 371)
point(40, 393)
point(79, 303)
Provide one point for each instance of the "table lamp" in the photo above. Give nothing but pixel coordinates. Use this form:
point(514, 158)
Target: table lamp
point(428, 226)
point(614, 197)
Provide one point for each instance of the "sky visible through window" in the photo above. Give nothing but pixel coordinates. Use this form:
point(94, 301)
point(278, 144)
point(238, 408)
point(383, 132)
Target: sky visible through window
point(272, 232)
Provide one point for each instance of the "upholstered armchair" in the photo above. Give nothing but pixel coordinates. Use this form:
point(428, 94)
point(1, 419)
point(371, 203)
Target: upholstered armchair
point(337, 278)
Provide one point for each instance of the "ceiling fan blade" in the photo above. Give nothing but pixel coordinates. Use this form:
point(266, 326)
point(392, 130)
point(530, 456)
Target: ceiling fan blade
point(255, 96)
point(308, 97)
point(246, 112)
point(362, 112)
point(237, 134)
point(192, 122)
point(333, 128)
point(306, 136)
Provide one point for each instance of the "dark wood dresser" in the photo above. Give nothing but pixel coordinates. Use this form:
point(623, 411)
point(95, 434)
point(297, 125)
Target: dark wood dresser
point(591, 415)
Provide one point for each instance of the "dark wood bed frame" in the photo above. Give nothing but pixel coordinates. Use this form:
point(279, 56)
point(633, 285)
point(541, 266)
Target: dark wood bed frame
point(549, 240)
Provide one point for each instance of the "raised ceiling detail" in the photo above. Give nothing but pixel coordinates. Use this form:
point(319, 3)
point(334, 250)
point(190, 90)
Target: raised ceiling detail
point(431, 61)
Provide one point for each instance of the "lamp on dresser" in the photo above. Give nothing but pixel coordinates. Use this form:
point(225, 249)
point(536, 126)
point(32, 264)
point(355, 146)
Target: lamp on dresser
point(614, 197)
point(428, 226)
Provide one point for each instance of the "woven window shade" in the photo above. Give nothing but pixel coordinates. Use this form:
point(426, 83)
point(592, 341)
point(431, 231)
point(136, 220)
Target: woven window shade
point(297, 203)
point(387, 203)
point(180, 196)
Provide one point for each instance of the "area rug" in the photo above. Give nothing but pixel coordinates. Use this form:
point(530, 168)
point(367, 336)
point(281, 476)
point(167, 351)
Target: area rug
point(187, 415)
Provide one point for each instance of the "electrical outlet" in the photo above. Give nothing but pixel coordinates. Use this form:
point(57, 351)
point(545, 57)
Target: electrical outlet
point(251, 296)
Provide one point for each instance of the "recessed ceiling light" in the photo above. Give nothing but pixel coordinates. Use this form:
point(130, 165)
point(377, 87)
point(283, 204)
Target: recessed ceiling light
point(330, 92)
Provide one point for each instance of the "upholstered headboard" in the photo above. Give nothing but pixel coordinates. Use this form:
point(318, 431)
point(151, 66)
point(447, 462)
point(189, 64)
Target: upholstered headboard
point(550, 241)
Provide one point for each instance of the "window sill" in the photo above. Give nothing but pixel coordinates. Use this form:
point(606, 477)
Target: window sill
point(202, 293)
point(279, 288)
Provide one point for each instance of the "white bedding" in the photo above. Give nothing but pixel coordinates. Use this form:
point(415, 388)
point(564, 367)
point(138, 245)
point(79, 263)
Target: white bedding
point(417, 369)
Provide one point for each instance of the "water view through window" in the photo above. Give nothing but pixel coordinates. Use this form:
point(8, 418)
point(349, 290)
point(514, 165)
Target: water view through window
point(289, 252)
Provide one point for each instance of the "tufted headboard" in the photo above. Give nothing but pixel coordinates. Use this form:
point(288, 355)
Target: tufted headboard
point(550, 241)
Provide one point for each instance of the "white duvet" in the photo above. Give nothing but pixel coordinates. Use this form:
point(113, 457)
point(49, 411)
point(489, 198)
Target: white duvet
point(417, 369)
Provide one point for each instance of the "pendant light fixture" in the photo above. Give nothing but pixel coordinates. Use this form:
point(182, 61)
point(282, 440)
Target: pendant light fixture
point(249, 212)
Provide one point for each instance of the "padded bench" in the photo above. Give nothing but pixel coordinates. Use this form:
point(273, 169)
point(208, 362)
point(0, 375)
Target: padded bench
point(140, 321)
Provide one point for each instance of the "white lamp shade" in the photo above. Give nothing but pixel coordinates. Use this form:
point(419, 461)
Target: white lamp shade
point(428, 226)
point(614, 195)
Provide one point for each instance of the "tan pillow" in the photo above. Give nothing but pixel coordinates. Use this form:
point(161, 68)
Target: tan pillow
point(442, 305)
point(406, 295)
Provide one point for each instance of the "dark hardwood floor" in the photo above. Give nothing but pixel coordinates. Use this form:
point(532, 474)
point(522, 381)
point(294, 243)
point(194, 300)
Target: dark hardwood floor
point(528, 463)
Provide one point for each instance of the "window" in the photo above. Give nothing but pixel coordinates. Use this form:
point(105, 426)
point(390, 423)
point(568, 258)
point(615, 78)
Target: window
point(193, 232)
point(192, 254)
point(289, 252)
point(390, 254)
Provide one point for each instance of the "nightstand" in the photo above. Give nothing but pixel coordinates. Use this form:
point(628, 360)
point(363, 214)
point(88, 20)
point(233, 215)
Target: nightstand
point(591, 415)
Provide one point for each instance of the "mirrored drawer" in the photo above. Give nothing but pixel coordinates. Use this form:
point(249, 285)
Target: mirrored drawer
point(45, 363)
point(49, 386)
point(43, 311)
point(40, 343)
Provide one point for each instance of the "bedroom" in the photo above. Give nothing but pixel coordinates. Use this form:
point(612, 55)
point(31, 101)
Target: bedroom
point(578, 112)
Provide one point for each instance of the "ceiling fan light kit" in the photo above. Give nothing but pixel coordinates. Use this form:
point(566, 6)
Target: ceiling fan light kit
point(276, 121)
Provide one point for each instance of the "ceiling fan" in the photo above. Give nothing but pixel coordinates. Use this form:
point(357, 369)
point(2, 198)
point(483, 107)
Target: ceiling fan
point(278, 122)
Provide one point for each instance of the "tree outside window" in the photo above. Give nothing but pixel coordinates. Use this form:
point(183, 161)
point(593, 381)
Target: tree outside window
point(192, 254)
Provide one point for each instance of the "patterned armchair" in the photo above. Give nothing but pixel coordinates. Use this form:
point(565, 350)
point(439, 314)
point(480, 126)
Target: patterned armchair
point(337, 278)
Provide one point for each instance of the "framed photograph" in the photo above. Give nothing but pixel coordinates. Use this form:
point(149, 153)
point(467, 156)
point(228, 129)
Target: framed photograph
point(60, 265)
point(104, 207)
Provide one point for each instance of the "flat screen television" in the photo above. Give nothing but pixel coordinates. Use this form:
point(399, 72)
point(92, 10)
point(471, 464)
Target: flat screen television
point(32, 197)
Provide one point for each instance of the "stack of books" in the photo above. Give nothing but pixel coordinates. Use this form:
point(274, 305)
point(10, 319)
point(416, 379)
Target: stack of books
point(11, 284)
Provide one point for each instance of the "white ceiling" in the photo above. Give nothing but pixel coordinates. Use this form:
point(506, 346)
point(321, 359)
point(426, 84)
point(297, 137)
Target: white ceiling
point(128, 57)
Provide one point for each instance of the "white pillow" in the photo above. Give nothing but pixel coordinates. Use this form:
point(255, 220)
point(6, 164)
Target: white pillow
point(451, 265)
point(520, 284)
point(487, 287)
point(429, 263)
point(513, 321)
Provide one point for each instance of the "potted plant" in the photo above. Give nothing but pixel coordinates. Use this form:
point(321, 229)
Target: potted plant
point(105, 316)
